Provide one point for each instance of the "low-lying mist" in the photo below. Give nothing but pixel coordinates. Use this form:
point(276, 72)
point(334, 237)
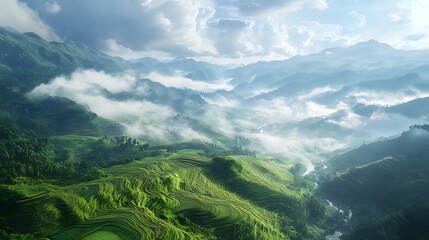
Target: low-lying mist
point(304, 126)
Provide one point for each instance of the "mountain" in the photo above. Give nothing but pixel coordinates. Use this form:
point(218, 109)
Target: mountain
point(68, 172)
point(27, 55)
point(370, 59)
point(89, 150)
point(416, 108)
point(53, 116)
point(29, 61)
point(385, 184)
point(188, 67)
point(343, 95)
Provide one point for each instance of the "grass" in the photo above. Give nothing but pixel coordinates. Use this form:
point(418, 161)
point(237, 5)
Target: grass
point(181, 196)
point(103, 234)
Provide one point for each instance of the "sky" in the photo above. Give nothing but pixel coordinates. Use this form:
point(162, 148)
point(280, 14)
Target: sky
point(221, 31)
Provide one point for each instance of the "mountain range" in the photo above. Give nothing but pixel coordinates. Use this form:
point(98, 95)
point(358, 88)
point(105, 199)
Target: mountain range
point(195, 150)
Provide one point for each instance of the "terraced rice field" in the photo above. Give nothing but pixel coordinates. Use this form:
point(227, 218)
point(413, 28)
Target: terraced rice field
point(145, 199)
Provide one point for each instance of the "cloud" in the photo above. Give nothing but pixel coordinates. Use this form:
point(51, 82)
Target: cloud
point(123, 98)
point(418, 23)
point(222, 101)
point(253, 7)
point(234, 31)
point(219, 118)
point(382, 124)
point(141, 117)
point(22, 18)
point(181, 82)
point(53, 7)
point(347, 119)
point(312, 36)
point(282, 110)
point(408, 25)
point(269, 124)
point(197, 28)
point(415, 37)
point(89, 87)
point(234, 38)
point(168, 26)
point(316, 92)
point(297, 146)
point(385, 98)
point(361, 20)
point(90, 82)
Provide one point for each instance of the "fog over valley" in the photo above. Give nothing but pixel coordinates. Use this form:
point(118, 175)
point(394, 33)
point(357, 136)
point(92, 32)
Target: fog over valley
point(309, 110)
point(214, 119)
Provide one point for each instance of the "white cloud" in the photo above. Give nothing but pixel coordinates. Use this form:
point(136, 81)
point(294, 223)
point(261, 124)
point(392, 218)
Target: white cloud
point(419, 10)
point(178, 81)
point(409, 25)
point(234, 38)
point(142, 118)
point(256, 7)
point(282, 110)
point(384, 98)
point(218, 118)
point(19, 16)
point(316, 92)
point(112, 47)
point(195, 28)
point(184, 22)
point(361, 20)
point(90, 81)
point(348, 119)
point(312, 36)
point(296, 146)
point(87, 88)
point(53, 7)
point(233, 31)
point(222, 101)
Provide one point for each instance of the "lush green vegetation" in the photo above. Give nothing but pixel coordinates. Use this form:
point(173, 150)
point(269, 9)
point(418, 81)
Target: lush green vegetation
point(86, 186)
point(386, 184)
point(28, 60)
point(182, 195)
point(66, 173)
point(74, 182)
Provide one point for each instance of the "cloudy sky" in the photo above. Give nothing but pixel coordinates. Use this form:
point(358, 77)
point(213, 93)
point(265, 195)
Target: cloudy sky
point(221, 30)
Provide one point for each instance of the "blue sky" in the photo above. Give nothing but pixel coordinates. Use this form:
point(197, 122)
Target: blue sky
point(238, 31)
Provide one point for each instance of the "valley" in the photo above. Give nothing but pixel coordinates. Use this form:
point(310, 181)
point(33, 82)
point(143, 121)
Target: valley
point(314, 146)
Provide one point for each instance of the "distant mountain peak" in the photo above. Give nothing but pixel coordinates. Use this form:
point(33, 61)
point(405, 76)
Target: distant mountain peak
point(181, 58)
point(372, 41)
point(372, 44)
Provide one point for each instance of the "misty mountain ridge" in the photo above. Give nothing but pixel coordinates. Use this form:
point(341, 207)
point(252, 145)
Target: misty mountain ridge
point(225, 151)
point(315, 95)
point(30, 51)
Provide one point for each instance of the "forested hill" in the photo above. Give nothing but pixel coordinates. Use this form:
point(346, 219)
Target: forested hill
point(66, 173)
point(26, 60)
point(386, 185)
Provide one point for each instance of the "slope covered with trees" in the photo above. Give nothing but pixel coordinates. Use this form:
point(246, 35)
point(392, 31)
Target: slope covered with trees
point(27, 60)
point(386, 185)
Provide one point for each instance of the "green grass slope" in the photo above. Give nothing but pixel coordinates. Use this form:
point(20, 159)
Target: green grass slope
point(176, 196)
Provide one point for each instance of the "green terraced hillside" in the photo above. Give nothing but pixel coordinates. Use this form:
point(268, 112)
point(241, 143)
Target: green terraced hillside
point(182, 195)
